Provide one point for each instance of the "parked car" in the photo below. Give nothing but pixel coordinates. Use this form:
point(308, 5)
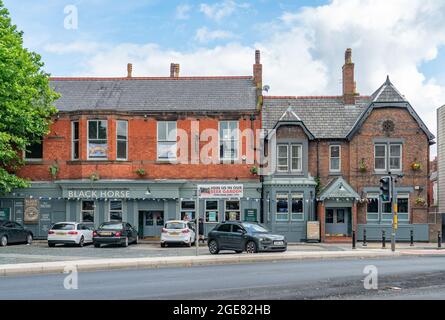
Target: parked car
point(13, 232)
point(244, 236)
point(70, 233)
point(121, 233)
point(179, 232)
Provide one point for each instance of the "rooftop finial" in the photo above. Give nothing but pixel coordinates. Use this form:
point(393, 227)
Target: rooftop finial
point(387, 80)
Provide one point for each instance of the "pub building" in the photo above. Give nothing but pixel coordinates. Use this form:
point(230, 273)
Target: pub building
point(112, 155)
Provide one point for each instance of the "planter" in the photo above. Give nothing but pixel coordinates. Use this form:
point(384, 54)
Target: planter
point(141, 172)
point(94, 176)
point(416, 166)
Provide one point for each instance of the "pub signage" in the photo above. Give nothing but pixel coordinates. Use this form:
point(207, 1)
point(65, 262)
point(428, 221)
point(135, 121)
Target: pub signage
point(98, 194)
point(220, 191)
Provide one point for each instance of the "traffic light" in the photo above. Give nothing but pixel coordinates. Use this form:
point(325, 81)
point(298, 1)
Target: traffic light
point(386, 189)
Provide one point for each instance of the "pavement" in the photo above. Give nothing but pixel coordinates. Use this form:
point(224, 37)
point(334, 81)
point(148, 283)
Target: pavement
point(38, 258)
point(402, 277)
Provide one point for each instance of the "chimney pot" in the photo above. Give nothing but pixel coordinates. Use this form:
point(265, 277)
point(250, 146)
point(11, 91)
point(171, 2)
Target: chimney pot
point(257, 56)
point(129, 70)
point(172, 70)
point(177, 68)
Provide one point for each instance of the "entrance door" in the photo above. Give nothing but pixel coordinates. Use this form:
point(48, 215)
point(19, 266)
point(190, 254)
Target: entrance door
point(338, 221)
point(152, 223)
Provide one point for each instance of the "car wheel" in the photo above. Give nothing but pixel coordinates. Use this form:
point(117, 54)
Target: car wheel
point(125, 244)
point(97, 245)
point(251, 247)
point(51, 245)
point(29, 239)
point(81, 242)
point(189, 244)
point(213, 247)
point(162, 245)
point(4, 241)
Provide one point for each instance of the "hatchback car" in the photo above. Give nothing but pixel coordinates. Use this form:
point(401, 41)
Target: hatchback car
point(178, 232)
point(121, 233)
point(70, 233)
point(244, 236)
point(13, 232)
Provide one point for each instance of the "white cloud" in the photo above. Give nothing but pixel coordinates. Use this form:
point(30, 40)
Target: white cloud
point(221, 10)
point(205, 35)
point(82, 47)
point(304, 53)
point(183, 11)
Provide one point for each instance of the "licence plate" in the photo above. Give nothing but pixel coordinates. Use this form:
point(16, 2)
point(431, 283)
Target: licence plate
point(105, 234)
point(174, 233)
point(60, 233)
point(278, 243)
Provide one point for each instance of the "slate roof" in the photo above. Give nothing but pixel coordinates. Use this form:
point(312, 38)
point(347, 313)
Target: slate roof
point(325, 117)
point(156, 94)
point(387, 93)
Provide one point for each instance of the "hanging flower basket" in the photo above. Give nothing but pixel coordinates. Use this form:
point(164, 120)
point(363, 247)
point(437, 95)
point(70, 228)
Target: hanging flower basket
point(420, 201)
point(362, 166)
point(54, 170)
point(254, 170)
point(416, 166)
point(141, 172)
point(94, 176)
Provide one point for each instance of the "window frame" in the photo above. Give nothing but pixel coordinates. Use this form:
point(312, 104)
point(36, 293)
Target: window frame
point(287, 157)
point(75, 141)
point(121, 211)
point(291, 157)
point(333, 158)
point(166, 140)
point(207, 211)
point(93, 211)
point(281, 195)
point(122, 140)
point(182, 210)
point(236, 141)
point(33, 159)
point(403, 195)
point(400, 157)
point(88, 139)
point(226, 210)
point(296, 195)
point(373, 196)
point(385, 157)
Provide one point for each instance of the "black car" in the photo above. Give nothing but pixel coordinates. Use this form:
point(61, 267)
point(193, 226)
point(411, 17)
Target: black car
point(13, 232)
point(244, 236)
point(121, 233)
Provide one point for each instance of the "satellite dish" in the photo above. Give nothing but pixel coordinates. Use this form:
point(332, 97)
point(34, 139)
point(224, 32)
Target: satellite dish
point(266, 88)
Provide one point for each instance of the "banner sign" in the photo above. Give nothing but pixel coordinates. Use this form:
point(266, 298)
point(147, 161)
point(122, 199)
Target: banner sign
point(31, 213)
point(250, 215)
point(219, 191)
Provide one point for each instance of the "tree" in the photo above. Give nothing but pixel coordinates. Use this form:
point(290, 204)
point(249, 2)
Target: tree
point(26, 102)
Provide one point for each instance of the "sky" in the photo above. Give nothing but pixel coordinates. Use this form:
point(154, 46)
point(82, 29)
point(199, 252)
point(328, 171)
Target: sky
point(302, 42)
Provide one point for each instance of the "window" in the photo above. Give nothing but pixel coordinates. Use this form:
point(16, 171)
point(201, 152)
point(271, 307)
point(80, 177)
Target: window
point(435, 193)
point(380, 157)
point(340, 216)
point(97, 140)
point(395, 157)
point(116, 211)
point(225, 228)
point(34, 151)
point(87, 213)
point(297, 213)
point(75, 140)
point(167, 140)
point(211, 211)
point(228, 140)
point(296, 160)
point(403, 207)
point(283, 158)
point(282, 207)
point(122, 140)
point(329, 216)
point(334, 158)
point(386, 212)
point(238, 229)
point(188, 210)
point(372, 209)
point(233, 212)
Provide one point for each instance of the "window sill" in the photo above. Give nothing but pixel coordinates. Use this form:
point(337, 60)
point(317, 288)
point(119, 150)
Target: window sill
point(33, 161)
point(167, 161)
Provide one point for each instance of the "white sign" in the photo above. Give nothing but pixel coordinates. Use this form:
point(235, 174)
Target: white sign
point(220, 191)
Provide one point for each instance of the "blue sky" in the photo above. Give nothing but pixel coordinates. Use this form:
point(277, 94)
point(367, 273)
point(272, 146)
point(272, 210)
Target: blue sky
point(302, 42)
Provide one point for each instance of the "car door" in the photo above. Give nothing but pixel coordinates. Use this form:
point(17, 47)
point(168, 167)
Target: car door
point(11, 232)
point(223, 234)
point(22, 234)
point(237, 236)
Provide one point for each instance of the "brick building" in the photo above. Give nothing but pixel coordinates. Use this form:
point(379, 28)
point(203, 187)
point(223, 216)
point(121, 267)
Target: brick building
point(113, 154)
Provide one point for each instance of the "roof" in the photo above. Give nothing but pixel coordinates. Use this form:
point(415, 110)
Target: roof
point(324, 117)
point(338, 189)
point(156, 94)
point(388, 96)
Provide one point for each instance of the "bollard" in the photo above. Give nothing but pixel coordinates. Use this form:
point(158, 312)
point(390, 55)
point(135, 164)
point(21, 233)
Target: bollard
point(365, 244)
point(412, 238)
point(353, 240)
point(383, 239)
point(439, 239)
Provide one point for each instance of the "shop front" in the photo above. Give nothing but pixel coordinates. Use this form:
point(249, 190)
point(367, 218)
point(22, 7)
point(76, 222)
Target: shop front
point(146, 205)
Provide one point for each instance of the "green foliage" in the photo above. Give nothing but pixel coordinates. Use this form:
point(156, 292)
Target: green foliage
point(54, 170)
point(141, 172)
point(26, 101)
point(318, 186)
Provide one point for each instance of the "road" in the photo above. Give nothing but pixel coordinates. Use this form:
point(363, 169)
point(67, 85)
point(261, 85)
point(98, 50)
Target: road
point(398, 278)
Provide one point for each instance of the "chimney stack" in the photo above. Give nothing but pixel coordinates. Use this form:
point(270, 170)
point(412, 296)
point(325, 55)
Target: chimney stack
point(174, 70)
point(258, 78)
point(349, 85)
point(129, 70)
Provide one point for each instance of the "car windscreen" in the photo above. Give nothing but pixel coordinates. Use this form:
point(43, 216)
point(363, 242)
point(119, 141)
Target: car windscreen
point(254, 228)
point(63, 226)
point(175, 225)
point(111, 226)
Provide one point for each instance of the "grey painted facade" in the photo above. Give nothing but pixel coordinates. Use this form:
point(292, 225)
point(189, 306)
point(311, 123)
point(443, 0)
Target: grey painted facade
point(139, 199)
